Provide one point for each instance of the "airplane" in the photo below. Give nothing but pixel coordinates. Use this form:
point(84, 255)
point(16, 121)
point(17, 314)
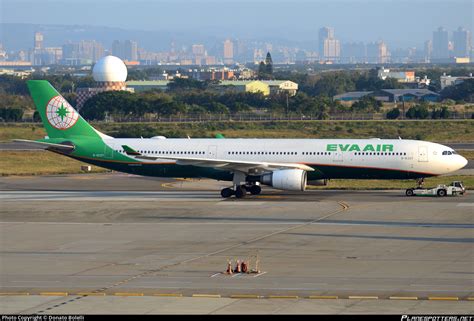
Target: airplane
point(284, 164)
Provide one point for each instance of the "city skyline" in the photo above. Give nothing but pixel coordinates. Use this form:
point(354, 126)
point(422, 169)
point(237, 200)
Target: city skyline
point(441, 48)
point(399, 23)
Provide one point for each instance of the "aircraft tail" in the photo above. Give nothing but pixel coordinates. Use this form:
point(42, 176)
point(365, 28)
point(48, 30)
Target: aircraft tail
point(59, 118)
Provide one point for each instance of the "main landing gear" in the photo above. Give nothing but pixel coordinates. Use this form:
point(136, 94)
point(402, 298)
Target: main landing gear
point(241, 186)
point(241, 191)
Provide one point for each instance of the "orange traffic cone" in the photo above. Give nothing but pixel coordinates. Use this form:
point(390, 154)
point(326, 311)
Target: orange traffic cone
point(229, 268)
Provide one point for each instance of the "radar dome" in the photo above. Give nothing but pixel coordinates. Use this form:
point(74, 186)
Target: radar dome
point(109, 69)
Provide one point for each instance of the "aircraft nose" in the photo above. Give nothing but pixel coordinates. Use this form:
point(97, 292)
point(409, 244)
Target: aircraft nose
point(462, 161)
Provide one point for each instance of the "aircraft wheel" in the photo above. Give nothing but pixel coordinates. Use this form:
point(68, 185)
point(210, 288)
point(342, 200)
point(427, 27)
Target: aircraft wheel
point(227, 192)
point(255, 190)
point(240, 192)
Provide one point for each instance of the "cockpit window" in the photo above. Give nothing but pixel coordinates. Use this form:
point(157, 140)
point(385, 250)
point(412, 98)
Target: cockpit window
point(447, 152)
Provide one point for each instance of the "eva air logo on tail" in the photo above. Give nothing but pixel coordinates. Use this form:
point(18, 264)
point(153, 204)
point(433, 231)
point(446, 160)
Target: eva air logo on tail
point(60, 114)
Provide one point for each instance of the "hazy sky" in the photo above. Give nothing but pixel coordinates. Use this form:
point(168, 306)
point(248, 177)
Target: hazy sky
point(400, 23)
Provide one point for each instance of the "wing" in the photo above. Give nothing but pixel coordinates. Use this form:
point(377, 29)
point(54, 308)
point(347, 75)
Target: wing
point(251, 167)
point(234, 165)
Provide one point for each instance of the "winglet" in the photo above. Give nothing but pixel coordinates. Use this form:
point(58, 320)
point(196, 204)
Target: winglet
point(219, 136)
point(130, 151)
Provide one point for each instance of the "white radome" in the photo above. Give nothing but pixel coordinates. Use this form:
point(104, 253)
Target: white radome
point(109, 69)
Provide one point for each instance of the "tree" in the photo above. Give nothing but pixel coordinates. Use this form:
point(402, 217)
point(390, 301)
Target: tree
point(262, 71)
point(265, 68)
point(461, 92)
point(367, 104)
point(418, 112)
point(11, 114)
point(393, 113)
point(179, 84)
point(269, 65)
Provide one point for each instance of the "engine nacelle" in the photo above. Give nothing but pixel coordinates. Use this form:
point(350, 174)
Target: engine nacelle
point(319, 182)
point(286, 179)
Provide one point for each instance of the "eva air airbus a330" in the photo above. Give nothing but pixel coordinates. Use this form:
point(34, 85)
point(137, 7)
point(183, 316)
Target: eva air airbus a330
point(285, 164)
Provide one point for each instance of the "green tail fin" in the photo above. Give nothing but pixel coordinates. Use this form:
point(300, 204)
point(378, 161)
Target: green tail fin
point(59, 118)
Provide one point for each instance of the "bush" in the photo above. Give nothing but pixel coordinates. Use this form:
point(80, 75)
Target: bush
point(417, 112)
point(393, 114)
point(442, 113)
point(11, 114)
point(36, 117)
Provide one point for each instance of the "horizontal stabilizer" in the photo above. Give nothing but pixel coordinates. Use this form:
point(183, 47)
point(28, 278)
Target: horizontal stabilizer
point(130, 151)
point(46, 145)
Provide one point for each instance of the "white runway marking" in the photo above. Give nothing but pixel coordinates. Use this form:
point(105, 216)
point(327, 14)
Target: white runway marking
point(118, 196)
point(465, 204)
point(157, 223)
point(241, 203)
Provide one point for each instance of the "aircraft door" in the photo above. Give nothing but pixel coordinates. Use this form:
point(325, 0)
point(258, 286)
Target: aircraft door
point(212, 151)
point(422, 153)
point(337, 157)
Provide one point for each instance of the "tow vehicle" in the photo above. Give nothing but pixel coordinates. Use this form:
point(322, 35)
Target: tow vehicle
point(455, 188)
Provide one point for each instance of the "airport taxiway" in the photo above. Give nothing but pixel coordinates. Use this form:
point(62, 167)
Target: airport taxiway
point(131, 240)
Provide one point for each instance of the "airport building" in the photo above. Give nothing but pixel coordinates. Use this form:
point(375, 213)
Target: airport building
point(266, 87)
point(391, 95)
point(400, 76)
point(447, 80)
point(110, 74)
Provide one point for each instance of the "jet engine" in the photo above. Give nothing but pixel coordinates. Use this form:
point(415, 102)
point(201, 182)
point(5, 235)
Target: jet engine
point(286, 179)
point(319, 182)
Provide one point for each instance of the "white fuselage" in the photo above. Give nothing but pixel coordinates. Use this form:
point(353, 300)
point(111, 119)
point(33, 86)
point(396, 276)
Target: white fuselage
point(425, 158)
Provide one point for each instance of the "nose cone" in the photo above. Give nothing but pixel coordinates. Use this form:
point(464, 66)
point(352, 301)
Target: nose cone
point(461, 161)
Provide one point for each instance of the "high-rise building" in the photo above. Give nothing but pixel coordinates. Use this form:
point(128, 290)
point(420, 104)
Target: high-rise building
point(117, 49)
point(3, 53)
point(38, 41)
point(428, 50)
point(242, 52)
point(332, 49)
point(228, 52)
point(324, 33)
point(84, 52)
point(127, 50)
point(462, 42)
point(440, 45)
point(130, 50)
point(354, 52)
point(377, 53)
point(198, 50)
point(329, 47)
